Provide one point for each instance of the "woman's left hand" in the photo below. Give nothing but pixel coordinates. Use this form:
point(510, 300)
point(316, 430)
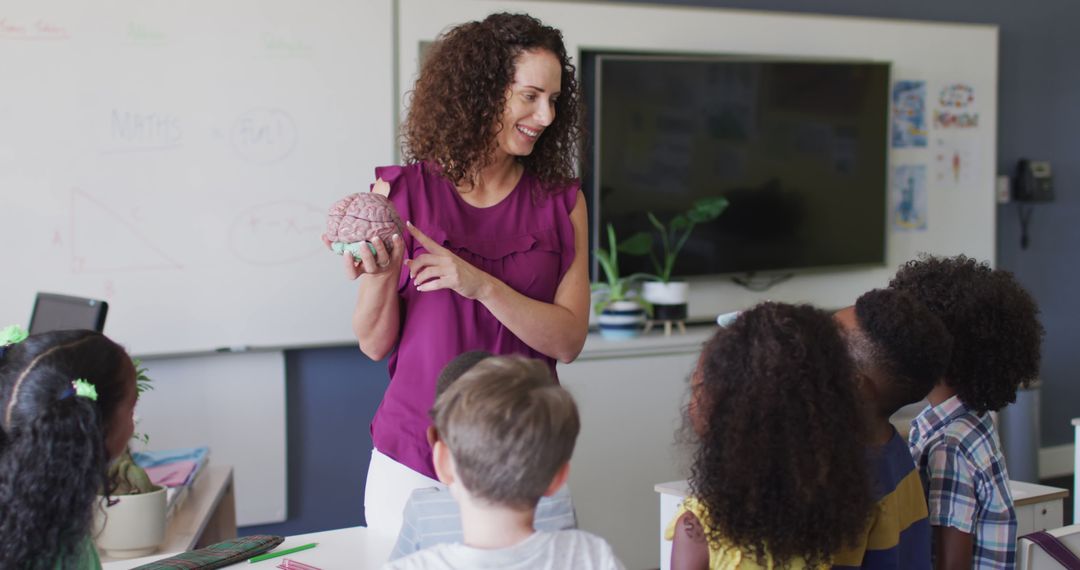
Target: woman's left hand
point(440, 268)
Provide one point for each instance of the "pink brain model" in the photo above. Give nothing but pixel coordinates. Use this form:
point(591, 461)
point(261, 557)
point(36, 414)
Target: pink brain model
point(356, 218)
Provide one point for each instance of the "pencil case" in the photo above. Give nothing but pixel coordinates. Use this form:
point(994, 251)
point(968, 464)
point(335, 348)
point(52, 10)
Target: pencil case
point(217, 555)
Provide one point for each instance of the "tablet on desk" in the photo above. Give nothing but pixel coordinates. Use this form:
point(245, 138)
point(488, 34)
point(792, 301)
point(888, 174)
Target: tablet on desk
point(54, 312)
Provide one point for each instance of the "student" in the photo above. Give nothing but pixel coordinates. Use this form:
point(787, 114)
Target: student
point(432, 516)
point(506, 434)
point(779, 478)
point(900, 350)
point(996, 346)
point(67, 400)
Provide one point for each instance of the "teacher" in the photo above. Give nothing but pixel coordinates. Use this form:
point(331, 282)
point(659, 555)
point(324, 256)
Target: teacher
point(495, 256)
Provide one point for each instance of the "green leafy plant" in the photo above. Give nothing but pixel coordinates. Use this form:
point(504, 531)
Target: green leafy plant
point(674, 234)
point(616, 287)
point(125, 476)
point(142, 385)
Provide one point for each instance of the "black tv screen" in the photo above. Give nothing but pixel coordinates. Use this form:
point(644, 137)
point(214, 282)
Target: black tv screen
point(797, 147)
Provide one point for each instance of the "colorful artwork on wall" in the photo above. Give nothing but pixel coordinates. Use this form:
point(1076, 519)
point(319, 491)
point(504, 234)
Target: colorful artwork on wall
point(957, 107)
point(908, 204)
point(953, 162)
point(909, 114)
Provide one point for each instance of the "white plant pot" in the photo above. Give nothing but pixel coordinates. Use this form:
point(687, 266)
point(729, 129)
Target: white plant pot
point(133, 526)
point(672, 293)
point(668, 299)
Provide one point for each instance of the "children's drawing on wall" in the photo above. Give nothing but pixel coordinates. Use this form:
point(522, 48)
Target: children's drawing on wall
point(909, 114)
point(908, 202)
point(952, 162)
point(957, 107)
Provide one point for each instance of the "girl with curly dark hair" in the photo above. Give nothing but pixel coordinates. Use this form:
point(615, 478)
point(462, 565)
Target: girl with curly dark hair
point(500, 265)
point(56, 439)
point(997, 342)
point(779, 478)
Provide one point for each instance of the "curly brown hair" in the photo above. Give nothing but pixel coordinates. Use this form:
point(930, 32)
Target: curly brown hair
point(460, 95)
point(904, 340)
point(997, 337)
point(781, 468)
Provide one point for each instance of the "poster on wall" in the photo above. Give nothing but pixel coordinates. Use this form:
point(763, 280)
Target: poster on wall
point(907, 205)
point(953, 166)
point(956, 103)
point(909, 114)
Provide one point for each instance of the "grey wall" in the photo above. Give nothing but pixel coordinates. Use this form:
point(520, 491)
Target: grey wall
point(333, 392)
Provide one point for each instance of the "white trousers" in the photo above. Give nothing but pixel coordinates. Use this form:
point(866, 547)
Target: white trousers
point(388, 487)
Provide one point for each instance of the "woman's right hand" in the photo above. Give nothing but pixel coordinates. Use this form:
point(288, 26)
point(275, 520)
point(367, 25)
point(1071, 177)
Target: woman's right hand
point(383, 262)
point(374, 264)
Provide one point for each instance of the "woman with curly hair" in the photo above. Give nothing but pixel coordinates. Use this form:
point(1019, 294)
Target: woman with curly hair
point(997, 342)
point(495, 257)
point(779, 479)
point(67, 400)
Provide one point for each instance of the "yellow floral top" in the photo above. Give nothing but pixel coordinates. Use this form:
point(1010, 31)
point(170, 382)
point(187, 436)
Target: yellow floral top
point(725, 556)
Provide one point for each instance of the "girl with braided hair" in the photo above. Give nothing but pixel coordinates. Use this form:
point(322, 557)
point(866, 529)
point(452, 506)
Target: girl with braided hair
point(67, 400)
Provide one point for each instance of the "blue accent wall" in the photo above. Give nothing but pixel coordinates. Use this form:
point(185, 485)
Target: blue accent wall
point(334, 392)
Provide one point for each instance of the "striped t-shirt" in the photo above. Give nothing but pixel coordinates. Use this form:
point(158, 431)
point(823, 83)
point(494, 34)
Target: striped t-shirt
point(898, 535)
point(432, 516)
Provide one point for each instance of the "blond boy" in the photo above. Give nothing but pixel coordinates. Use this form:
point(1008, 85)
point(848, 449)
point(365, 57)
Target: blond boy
point(507, 432)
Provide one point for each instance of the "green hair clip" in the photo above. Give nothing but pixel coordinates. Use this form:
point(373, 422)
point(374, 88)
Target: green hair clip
point(84, 389)
point(12, 335)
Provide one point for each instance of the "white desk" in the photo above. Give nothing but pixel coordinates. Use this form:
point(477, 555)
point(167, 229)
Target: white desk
point(342, 548)
point(1038, 507)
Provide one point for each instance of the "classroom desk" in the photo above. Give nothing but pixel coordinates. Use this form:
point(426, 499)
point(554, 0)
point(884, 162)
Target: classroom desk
point(207, 515)
point(1038, 507)
point(345, 548)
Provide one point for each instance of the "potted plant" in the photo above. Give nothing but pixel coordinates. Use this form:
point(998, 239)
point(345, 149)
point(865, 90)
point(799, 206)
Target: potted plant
point(131, 519)
point(621, 312)
point(668, 298)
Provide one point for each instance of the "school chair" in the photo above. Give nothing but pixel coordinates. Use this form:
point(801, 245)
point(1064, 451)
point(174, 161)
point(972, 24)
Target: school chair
point(1033, 556)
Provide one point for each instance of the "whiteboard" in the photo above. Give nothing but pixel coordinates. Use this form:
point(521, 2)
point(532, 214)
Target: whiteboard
point(177, 160)
point(961, 215)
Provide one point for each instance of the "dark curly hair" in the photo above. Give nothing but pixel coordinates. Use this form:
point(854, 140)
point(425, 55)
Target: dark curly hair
point(460, 96)
point(781, 468)
point(904, 341)
point(53, 458)
point(997, 337)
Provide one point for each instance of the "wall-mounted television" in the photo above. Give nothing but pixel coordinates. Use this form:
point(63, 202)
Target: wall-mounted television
point(798, 147)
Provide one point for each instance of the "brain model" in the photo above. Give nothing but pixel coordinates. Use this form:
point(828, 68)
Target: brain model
point(354, 219)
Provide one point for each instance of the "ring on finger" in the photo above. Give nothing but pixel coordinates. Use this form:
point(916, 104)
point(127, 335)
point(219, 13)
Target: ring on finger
point(383, 263)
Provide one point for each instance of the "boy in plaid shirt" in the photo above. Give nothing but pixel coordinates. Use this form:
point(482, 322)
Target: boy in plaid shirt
point(997, 340)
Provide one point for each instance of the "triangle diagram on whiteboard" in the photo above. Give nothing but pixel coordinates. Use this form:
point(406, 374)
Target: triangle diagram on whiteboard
point(104, 240)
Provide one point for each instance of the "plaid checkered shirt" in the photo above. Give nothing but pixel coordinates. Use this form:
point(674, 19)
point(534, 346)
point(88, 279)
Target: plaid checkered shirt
point(966, 482)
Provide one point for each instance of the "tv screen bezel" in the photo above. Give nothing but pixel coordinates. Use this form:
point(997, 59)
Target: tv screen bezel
point(591, 60)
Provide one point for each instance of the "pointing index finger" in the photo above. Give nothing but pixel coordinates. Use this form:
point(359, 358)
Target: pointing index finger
point(428, 243)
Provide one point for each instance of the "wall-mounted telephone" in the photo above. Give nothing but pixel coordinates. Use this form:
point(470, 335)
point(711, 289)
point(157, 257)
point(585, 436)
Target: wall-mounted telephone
point(1034, 181)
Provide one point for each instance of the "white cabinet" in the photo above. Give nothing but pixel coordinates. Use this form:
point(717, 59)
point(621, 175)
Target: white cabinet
point(631, 397)
point(1038, 507)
